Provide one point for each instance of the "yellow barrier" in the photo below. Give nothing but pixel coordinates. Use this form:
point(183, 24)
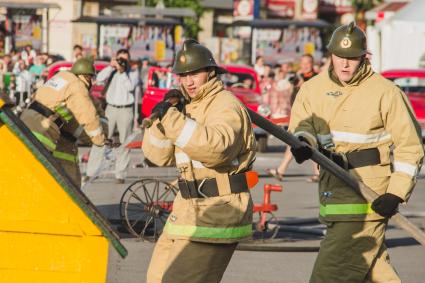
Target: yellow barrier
point(49, 231)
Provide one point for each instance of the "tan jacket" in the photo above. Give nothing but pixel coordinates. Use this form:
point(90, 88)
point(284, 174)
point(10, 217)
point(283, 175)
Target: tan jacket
point(370, 112)
point(214, 139)
point(69, 98)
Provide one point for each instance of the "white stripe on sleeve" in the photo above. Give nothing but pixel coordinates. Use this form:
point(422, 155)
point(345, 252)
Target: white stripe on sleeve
point(161, 143)
point(186, 133)
point(360, 138)
point(95, 132)
point(407, 168)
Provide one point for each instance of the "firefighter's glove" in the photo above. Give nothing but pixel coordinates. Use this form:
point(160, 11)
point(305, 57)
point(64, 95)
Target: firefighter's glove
point(302, 152)
point(386, 205)
point(173, 98)
point(176, 97)
point(161, 108)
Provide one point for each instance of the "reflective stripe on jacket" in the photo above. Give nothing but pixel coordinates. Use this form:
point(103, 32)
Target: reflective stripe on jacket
point(369, 112)
point(214, 139)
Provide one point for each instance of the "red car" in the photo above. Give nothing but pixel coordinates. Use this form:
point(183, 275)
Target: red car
point(240, 80)
point(412, 82)
point(96, 90)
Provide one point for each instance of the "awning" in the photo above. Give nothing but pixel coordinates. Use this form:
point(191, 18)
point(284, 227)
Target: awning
point(29, 5)
point(152, 11)
point(217, 4)
point(276, 23)
point(111, 20)
point(384, 10)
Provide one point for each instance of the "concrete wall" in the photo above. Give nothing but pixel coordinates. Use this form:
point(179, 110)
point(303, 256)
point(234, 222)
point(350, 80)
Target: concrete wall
point(61, 27)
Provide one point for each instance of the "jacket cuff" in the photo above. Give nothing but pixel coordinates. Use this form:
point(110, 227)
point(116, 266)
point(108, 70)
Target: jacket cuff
point(309, 137)
point(401, 185)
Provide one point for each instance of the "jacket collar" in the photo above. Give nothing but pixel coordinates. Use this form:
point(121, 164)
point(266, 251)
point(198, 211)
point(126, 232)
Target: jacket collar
point(363, 73)
point(213, 86)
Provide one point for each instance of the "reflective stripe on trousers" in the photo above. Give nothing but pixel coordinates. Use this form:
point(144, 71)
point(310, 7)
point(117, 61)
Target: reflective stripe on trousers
point(334, 209)
point(209, 232)
point(52, 147)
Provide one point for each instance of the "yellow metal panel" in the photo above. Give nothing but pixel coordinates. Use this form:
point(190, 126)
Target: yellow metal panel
point(45, 258)
point(29, 193)
point(41, 227)
point(45, 236)
point(94, 260)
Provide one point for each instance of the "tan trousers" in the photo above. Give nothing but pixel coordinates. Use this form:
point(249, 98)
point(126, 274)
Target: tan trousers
point(354, 252)
point(184, 261)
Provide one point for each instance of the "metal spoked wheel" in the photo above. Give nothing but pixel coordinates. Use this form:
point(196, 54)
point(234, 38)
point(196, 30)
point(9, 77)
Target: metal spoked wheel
point(145, 206)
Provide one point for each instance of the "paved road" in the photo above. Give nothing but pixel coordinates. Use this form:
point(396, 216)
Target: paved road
point(298, 200)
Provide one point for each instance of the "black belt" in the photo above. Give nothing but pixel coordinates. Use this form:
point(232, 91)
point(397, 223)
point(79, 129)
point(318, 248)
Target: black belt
point(354, 159)
point(46, 112)
point(121, 106)
point(208, 187)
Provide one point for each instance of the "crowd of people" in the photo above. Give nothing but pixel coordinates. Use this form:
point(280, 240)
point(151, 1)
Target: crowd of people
point(22, 71)
point(280, 85)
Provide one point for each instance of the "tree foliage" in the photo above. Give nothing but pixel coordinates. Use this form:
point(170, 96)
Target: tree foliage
point(191, 25)
point(365, 4)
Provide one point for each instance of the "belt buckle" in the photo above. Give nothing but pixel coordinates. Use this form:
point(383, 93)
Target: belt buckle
point(200, 187)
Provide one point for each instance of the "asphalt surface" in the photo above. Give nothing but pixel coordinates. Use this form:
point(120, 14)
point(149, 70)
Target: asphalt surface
point(297, 201)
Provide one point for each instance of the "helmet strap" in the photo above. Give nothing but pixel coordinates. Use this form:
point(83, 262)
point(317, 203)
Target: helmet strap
point(86, 81)
point(211, 74)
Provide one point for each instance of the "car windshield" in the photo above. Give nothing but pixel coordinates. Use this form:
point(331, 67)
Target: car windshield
point(238, 80)
point(411, 84)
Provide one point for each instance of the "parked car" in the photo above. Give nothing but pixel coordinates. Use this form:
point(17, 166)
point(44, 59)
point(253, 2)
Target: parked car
point(412, 82)
point(242, 81)
point(96, 90)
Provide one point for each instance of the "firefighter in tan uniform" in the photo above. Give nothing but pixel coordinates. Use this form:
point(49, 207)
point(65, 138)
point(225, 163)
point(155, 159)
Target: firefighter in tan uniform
point(356, 117)
point(62, 112)
point(211, 142)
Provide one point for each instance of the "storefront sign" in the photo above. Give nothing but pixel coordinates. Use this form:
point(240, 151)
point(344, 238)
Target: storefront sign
point(336, 6)
point(281, 8)
point(113, 38)
point(27, 30)
point(156, 42)
point(291, 44)
point(243, 10)
point(309, 9)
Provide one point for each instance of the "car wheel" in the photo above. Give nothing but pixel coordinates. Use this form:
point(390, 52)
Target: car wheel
point(262, 144)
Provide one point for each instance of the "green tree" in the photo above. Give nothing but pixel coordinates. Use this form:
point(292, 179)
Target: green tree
point(191, 25)
point(365, 4)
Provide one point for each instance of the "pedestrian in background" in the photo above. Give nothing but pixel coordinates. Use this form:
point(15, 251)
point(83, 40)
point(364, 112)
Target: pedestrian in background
point(77, 52)
point(305, 73)
point(120, 82)
point(24, 82)
point(28, 55)
point(306, 70)
point(259, 66)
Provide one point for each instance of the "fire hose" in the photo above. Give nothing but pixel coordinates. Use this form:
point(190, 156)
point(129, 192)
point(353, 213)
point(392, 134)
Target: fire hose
point(326, 164)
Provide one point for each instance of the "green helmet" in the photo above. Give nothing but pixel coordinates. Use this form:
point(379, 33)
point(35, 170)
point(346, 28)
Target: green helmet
point(83, 66)
point(348, 41)
point(192, 57)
